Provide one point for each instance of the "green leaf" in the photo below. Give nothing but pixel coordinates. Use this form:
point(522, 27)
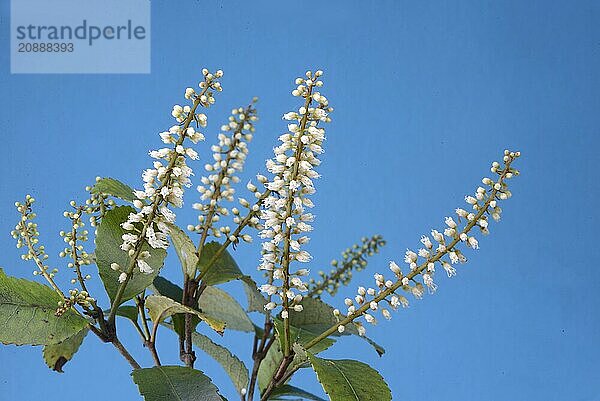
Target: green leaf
point(256, 301)
point(112, 187)
point(56, 355)
point(224, 268)
point(317, 316)
point(128, 311)
point(269, 365)
point(27, 314)
point(275, 355)
point(160, 307)
point(345, 380)
point(302, 336)
point(175, 383)
point(234, 367)
point(162, 286)
point(108, 251)
point(213, 302)
point(185, 248)
point(219, 304)
point(282, 393)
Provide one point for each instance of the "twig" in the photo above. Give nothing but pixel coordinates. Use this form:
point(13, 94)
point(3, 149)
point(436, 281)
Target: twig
point(413, 273)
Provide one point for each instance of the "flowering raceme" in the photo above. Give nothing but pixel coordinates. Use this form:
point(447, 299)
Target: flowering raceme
point(285, 218)
point(134, 228)
point(165, 182)
point(444, 245)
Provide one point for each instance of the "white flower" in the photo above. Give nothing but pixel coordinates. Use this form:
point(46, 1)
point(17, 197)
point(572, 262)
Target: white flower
point(395, 268)
point(450, 222)
point(144, 267)
point(410, 256)
point(451, 271)
point(394, 301)
point(461, 212)
point(437, 236)
point(303, 257)
point(268, 289)
point(428, 280)
point(370, 319)
point(127, 226)
point(167, 214)
point(122, 277)
point(426, 242)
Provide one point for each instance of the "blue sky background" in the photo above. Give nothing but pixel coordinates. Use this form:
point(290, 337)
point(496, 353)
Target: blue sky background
point(427, 94)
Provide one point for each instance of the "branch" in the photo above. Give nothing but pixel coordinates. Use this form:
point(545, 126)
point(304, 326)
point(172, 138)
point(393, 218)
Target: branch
point(388, 291)
point(253, 212)
point(158, 200)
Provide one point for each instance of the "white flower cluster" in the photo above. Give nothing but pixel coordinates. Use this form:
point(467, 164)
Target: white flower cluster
point(229, 156)
point(285, 219)
point(441, 244)
point(164, 183)
point(27, 235)
point(97, 204)
point(74, 240)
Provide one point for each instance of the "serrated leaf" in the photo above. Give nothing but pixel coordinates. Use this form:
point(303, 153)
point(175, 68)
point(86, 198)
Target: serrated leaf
point(317, 316)
point(128, 311)
point(108, 251)
point(56, 355)
point(175, 383)
point(256, 301)
point(219, 304)
point(235, 368)
point(282, 393)
point(162, 286)
point(275, 355)
point(185, 248)
point(113, 187)
point(160, 307)
point(346, 380)
point(27, 314)
point(224, 269)
point(269, 365)
point(213, 302)
point(302, 336)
